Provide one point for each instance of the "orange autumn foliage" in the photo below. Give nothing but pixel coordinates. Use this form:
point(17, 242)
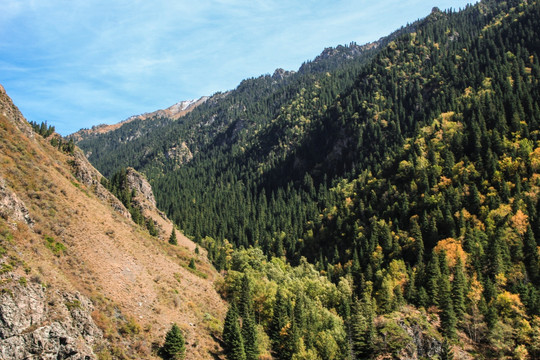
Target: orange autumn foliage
point(453, 250)
point(520, 222)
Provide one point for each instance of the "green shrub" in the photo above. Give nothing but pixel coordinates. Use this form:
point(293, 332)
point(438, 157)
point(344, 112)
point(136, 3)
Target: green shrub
point(6, 268)
point(130, 327)
point(75, 304)
point(56, 247)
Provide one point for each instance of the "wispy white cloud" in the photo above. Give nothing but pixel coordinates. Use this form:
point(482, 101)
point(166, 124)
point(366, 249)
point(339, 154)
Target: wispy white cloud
point(76, 64)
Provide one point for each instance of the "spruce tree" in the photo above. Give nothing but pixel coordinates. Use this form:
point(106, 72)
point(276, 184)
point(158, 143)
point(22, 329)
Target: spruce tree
point(433, 277)
point(174, 347)
point(245, 306)
point(232, 337)
point(532, 261)
point(249, 329)
point(459, 287)
point(172, 238)
point(249, 335)
point(446, 351)
point(448, 316)
point(290, 344)
point(279, 318)
point(362, 328)
point(416, 233)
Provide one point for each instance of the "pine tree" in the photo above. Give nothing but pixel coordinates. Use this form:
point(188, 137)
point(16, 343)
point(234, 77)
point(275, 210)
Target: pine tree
point(174, 347)
point(172, 238)
point(433, 278)
point(232, 337)
point(459, 289)
point(446, 351)
point(448, 316)
point(362, 327)
point(249, 335)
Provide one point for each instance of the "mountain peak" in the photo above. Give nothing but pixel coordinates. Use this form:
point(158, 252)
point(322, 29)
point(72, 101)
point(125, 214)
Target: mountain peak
point(173, 112)
point(281, 74)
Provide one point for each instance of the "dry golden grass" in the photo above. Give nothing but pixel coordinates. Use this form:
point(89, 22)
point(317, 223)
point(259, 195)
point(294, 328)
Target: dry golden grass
point(129, 275)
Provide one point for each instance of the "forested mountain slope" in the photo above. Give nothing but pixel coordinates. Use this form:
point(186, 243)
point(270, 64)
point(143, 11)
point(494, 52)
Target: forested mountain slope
point(393, 191)
point(160, 141)
point(79, 279)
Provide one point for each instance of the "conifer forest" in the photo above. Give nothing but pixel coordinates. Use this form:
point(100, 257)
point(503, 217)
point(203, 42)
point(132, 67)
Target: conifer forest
point(380, 202)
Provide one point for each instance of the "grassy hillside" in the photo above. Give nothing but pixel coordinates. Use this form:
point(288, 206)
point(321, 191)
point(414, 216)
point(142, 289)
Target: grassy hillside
point(68, 234)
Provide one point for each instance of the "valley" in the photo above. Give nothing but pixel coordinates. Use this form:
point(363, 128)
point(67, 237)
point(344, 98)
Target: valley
point(381, 202)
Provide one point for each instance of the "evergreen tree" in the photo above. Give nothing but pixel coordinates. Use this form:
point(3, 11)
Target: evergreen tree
point(459, 289)
point(151, 227)
point(232, 336)
point(362, 328)
point(531, 256)
point(174, 347)
point(446, 351)
point(249, 329)
point(447, 315)
point(249, 335)
point(433, 279)
point(279, 318)
point(172, 238)
point(245, 305)
point(416, 233)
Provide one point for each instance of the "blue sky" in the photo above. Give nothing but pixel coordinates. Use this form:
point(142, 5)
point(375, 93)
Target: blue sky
point(76, 64)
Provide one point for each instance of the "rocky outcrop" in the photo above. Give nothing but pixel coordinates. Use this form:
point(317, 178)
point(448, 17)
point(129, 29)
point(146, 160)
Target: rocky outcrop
point(407, 335)
point(423, 345)
point(89, 176)
point(180, 153)
point(36, 323)
point(143, 189)
point(281, 74)
point(9, 110)
point(11, 207)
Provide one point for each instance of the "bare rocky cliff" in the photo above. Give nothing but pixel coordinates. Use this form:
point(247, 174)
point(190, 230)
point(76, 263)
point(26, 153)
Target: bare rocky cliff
point(41, 323)
point(138, 182)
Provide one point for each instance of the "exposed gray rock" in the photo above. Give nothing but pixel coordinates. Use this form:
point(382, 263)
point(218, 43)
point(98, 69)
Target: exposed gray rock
point(424, 346)
point(88, 175)
point(142, 187)
point(281, 74)
point(11, 207)
point(180, 153)
point(42, 324)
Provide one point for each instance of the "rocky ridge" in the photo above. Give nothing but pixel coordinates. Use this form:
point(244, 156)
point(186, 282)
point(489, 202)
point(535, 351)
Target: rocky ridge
point(173, 112)
point(78, 278)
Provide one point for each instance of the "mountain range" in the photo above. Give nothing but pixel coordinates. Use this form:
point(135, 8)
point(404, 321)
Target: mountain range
point(380, 202)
